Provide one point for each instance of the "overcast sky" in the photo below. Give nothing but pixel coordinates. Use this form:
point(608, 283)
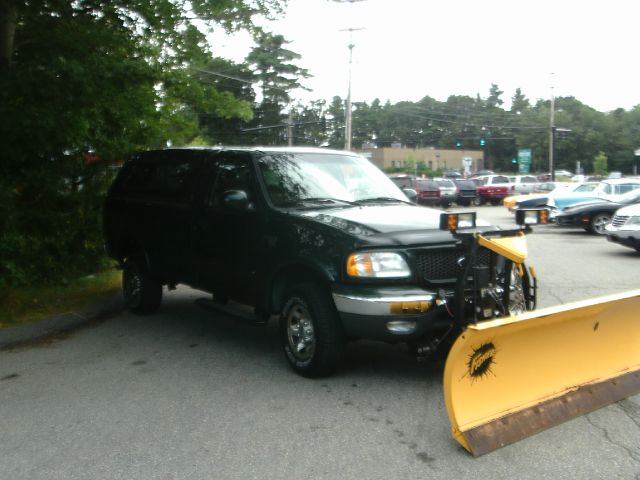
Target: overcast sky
point(409, 49)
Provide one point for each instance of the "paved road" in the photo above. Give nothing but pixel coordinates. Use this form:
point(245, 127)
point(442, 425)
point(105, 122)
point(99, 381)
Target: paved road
point(189, 394)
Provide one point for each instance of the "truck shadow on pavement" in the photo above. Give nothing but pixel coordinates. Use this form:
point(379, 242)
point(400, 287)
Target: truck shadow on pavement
point(182, 319)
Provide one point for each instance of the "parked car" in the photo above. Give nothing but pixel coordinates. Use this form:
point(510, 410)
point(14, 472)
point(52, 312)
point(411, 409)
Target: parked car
point(624, 228)
point(524, 183)
point(611, 189)
point(493, 188)
point(466, 192)
point(453, 174)
point(448, 191)
point(544, 191)
point(321, 238)
point(595, 215)
point(483, 172)
point(427, 191)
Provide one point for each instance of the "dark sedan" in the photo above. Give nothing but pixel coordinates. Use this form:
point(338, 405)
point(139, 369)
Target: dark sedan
point(594, 216)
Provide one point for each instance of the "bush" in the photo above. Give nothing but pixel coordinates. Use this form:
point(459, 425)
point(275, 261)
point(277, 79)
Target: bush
point(52, 232)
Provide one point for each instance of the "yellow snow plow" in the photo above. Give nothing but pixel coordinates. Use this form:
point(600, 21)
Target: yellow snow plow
point(510, 377)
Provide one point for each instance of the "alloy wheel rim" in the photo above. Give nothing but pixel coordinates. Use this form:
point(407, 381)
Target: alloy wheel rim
point(132, 287)
point(517, 304)
point(599, 224)
point(300, 333)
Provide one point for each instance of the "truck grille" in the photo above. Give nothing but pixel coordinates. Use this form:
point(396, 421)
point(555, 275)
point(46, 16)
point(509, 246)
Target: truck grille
point(619, 220)
point(443, 264)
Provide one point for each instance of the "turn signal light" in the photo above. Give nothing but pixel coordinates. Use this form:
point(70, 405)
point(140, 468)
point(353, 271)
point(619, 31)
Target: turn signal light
point(532, 217)
point(453, 221)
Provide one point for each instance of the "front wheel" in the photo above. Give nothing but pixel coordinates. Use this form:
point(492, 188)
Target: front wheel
point(141, 291)
point(598, 222)
point(310, 331)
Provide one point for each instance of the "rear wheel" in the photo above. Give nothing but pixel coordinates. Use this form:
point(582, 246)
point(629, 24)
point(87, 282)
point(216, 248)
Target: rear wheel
point(598, 222)
point(141, 291)
point(310, 331)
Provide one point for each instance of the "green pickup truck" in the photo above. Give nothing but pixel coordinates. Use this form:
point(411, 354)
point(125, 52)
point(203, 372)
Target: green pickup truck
point(322, 239)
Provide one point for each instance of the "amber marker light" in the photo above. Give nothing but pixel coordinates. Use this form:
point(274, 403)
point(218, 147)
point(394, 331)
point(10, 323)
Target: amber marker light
point(454, 221)
point(532, 217)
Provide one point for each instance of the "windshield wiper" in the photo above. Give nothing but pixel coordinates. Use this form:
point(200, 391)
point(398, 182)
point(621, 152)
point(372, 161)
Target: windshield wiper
point(381, 200)
point(327, 201)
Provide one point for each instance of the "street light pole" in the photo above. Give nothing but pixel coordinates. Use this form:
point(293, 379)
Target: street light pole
point(552, 136)
point(347, 115)
point(347, 120)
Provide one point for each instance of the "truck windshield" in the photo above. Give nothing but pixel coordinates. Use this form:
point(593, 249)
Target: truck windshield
point(291, 178)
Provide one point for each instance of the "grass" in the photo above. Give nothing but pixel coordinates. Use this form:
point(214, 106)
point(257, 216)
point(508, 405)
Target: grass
point(19, 306)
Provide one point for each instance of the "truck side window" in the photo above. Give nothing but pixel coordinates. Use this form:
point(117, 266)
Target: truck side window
point(135, 179)
point(230, 176)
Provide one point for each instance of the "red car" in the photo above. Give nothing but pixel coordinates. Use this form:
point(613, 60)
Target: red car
point(428, 192)
point(493, 188)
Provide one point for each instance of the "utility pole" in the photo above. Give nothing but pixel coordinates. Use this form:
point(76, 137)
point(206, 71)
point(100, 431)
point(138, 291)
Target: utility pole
point(290, 129)
point(552, 135)
point(347, 113)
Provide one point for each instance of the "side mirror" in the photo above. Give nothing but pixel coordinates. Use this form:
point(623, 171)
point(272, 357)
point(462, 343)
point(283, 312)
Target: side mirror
point(411, 194)
point(235, 200)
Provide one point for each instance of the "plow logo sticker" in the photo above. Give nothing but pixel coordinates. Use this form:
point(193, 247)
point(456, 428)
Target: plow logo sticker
point(481, 360)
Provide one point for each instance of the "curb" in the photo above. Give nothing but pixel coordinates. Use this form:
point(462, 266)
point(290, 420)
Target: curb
point(14, 336)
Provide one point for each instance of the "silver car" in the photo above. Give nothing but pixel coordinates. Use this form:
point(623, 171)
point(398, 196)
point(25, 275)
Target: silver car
point(625, 227)
point(448, 191)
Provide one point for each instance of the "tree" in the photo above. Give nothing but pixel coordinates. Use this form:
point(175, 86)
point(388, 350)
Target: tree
point(276, 75)
point(519, 102)
point(82, 84)
point(494, 100)
point(600, 164)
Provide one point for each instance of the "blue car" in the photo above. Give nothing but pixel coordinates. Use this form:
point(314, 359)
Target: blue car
point(611, 190)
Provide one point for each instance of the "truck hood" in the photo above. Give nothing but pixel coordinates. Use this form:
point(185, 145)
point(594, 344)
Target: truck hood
point(372, 219)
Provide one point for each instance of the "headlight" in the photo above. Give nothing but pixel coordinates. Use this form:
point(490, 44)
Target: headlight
point(633, 221)
point(377, 265)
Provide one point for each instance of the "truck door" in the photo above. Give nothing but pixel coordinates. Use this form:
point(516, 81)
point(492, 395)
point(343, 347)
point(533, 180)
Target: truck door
point(227, 237)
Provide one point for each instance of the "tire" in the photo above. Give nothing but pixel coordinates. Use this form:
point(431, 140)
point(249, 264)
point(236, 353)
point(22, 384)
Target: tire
point(478, 201)
point(598, 222)
point(141, 291)
point(310, 331)
point(517, 296)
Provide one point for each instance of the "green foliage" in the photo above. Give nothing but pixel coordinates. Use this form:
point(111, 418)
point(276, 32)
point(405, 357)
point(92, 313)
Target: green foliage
point(83, 84)
point(409, 163)
point(600, 164)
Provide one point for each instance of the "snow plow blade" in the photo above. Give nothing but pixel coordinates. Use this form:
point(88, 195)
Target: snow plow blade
point(508, 378)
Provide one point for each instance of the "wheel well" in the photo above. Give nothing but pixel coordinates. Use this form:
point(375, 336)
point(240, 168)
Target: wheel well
point(289, 277)
point(130, 247)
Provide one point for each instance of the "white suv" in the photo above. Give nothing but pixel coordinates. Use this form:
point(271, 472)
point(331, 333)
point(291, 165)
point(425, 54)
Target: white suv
point(625, 227)
point(524, 183)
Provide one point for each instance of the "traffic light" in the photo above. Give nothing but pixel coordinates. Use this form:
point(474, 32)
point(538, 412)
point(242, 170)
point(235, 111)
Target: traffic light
point(458, 143)
point(514, 160)
point(483, 141)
